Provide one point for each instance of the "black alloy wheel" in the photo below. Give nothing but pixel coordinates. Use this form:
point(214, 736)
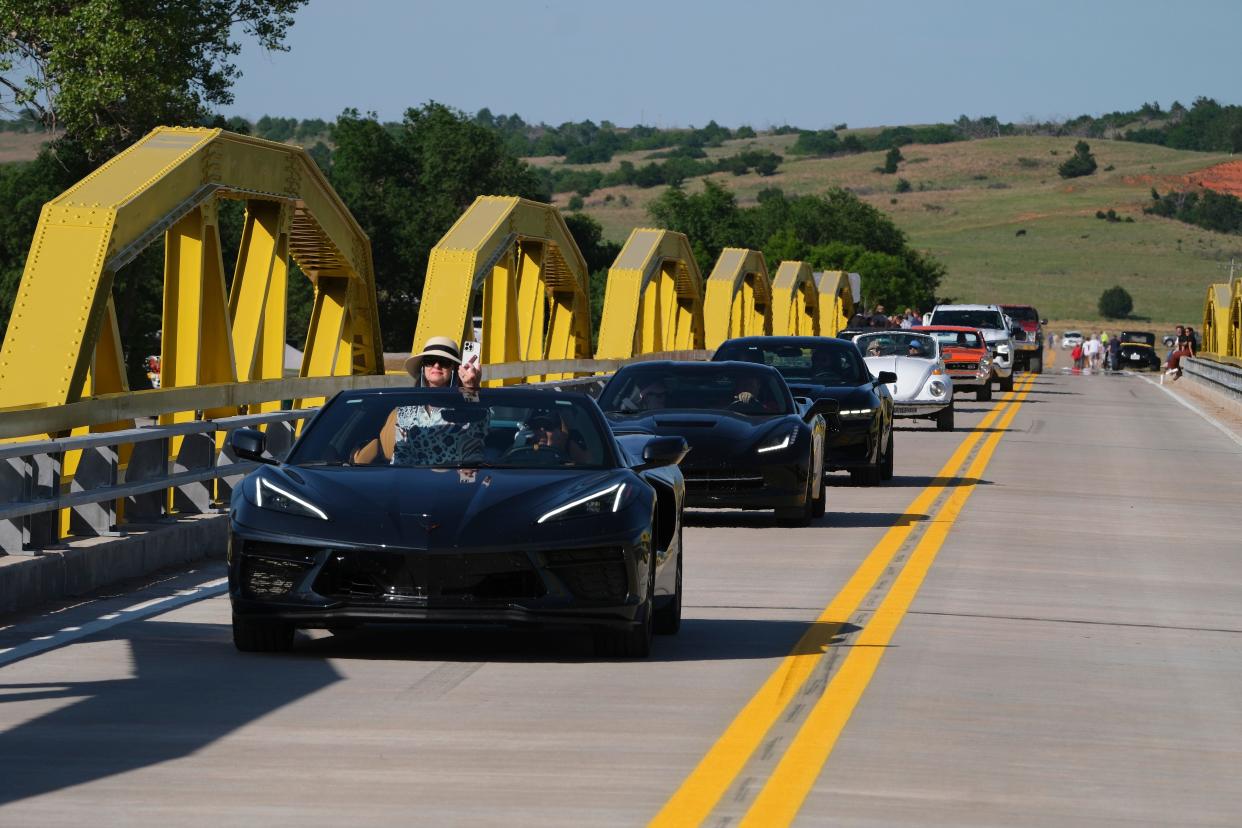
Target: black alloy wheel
point(668, 618)
point(886, 467)
point(944, 419)
point(800, 515)
point(984, 392)
point(820, 504)
point(262, 636)
point(633, 641)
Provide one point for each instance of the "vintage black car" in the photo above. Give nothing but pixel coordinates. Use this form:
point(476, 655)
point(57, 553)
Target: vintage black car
point(1138, 350)
point(751, 445)
point(496, 506)
point(860, 434)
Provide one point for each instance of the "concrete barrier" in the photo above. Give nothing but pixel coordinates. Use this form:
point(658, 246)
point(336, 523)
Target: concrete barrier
point(82, 565)
point(1224, 377)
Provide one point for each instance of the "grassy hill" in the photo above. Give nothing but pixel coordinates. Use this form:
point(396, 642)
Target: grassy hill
point(970, 201)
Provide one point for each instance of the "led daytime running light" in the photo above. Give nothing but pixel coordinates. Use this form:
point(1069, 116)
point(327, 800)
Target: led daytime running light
point(619, 488)
point(258, 498)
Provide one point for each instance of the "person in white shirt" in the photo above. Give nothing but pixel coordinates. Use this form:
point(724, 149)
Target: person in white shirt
point(1092, 350)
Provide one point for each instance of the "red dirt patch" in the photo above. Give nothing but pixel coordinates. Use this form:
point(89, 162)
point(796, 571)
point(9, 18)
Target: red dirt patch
point(1223, 178)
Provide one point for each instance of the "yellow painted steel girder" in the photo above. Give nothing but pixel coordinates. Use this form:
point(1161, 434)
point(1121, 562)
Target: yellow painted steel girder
point(1216, 312)
point(1233, 337)
point(739, 297)
point(534, 284)
point(795, 300)
point(654, 298)
point(836, 301)
point(167, 184)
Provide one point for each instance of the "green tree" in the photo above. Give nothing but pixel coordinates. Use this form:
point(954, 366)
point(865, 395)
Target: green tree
point(1115, 303)
point(106, 72)
point(891, 159)
point(1081, 163)
point(407, 185)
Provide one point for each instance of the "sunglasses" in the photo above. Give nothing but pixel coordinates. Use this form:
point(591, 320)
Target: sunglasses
point(440, 362)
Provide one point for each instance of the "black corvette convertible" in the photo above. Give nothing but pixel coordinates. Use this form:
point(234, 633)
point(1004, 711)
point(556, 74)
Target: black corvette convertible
point(860, 435)
point(751, 445)
point(496, 506)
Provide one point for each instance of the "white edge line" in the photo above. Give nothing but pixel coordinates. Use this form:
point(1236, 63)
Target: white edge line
point(146, 609)
point(1228, 432)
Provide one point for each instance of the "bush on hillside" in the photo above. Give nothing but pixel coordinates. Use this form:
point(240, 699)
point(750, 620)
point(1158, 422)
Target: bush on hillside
point(891, 160)
point(1080, 164)
point(1115, 303)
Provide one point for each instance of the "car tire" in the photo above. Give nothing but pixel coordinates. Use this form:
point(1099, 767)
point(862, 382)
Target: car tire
point(1036, 364)
point(870, 476)
point(1007, 383)
point(668, 618)
point(886, 466)
point(262, 636)
point(820, 504)
point(633, 641)
point(984, 392)
point(944, 419)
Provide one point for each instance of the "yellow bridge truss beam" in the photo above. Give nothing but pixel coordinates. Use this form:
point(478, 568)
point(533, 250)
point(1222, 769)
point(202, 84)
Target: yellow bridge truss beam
point(795, 300)
point(1217, 309)
point(654, 298)
point(520, 258)
point(167, 185)
point(739, 297)
point(836, 301)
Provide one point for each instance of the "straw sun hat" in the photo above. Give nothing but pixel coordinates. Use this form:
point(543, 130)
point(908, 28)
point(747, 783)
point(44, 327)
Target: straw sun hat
point(438, 346)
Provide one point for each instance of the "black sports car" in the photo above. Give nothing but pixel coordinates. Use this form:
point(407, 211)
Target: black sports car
point(860, 435)
point(751, 445)
point(450, 506)
point(1138, 350)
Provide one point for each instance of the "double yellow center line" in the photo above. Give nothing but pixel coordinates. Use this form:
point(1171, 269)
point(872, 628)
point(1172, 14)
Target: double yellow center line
point(782, 795)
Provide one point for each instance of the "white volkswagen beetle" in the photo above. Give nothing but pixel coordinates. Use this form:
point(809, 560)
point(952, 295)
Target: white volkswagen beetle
point(923, 390)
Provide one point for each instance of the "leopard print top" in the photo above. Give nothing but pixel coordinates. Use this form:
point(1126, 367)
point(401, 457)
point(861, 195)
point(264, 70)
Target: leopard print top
point(425, 438)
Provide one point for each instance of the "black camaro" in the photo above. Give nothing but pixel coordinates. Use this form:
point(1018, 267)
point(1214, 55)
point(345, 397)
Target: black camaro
point(860, 434)
point(751, 445)
point(450, 506)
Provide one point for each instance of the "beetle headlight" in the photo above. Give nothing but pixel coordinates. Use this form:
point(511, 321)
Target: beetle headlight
point(937, 388)
point(604, 501)
point(782, 440)
point(267, 495)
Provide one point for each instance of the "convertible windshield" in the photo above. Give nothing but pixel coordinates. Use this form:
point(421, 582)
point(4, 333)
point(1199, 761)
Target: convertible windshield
point(897, 344)
point(960, 339)
point(969, 319)
point(831, 363)
point(1138, 338)
point(451, 429)
point(714, 387)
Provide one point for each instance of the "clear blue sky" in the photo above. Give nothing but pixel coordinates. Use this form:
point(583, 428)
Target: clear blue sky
point(811, 64)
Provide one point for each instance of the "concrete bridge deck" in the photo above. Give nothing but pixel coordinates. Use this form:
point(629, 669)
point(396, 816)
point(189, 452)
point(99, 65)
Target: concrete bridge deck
point(1038, 622)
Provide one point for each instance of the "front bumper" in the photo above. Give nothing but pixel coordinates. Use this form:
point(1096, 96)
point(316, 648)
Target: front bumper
point(330, 585)
point(775, 486)
point(919, 409)
point(964, 382)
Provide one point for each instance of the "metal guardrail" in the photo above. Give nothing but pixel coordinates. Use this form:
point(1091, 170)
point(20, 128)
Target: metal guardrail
point(31, 490)
point(1224, 374)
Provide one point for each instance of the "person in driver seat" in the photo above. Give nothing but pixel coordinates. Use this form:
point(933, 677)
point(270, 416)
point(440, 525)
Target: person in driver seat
point(548, 432)
point(916, 349)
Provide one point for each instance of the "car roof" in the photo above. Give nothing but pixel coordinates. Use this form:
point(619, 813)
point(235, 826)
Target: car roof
point(966, 307)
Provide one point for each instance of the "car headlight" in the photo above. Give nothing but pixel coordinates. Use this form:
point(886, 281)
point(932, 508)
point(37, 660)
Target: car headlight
point(783, 440)
point(1002, 348)
point(267, 495)
point(856, 413)
point(985, 361)
point(605, 501)
point(937, 388)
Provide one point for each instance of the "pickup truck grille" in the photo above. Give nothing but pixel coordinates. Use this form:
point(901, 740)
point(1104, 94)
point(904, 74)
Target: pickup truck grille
point(962, 366)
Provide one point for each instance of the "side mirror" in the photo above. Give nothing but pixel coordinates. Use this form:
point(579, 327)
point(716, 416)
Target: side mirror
point(249, 443)
point(823, 407)
point(886, 378)
point(663, 451)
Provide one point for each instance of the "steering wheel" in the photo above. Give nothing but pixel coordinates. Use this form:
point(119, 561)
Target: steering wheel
point(535, 455)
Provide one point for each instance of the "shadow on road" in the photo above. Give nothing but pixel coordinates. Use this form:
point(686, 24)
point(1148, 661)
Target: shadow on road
point(921, 481)
point(189, 688)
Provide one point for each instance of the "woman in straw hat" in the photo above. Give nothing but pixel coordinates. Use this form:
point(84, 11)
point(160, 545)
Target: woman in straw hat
point(419, 435)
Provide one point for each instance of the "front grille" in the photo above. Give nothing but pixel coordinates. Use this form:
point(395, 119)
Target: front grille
point(962, 366)
point(385, 576)
point(270, 577)
point(722, 481)
point(597, 575)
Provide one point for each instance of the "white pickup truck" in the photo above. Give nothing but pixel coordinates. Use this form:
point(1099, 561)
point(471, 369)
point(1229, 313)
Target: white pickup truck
point(991, 321)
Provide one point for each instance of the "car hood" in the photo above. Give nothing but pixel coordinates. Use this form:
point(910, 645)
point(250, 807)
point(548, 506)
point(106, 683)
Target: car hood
point(912, 373)
point(715, 437)
point(423, 508)
point(951, 353)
